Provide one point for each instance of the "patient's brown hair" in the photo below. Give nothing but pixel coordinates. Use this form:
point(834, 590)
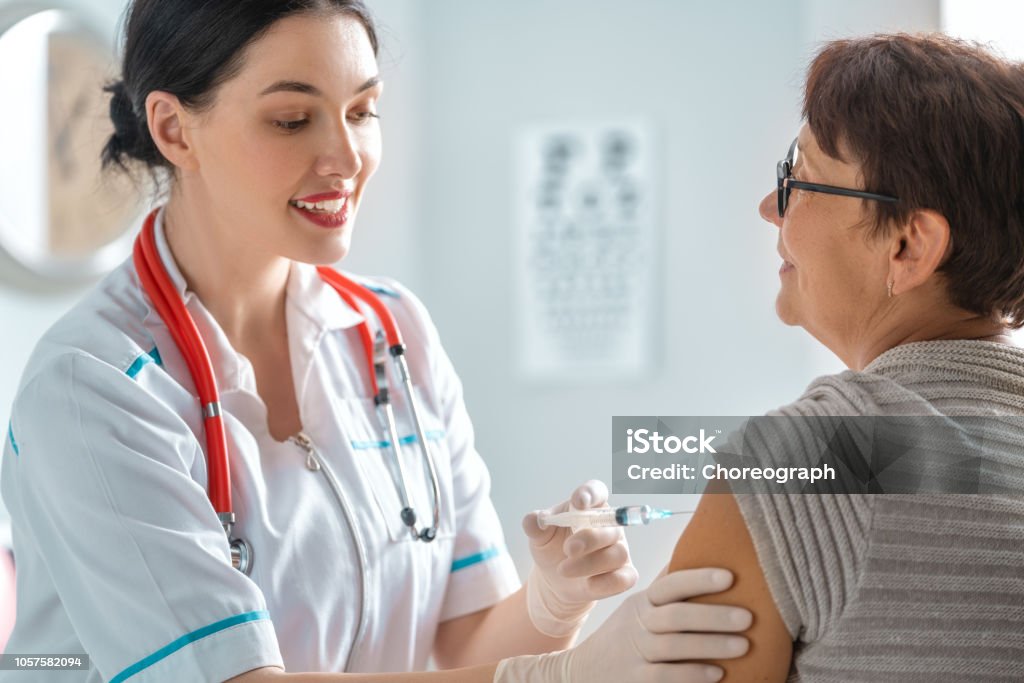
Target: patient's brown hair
point(938, 123)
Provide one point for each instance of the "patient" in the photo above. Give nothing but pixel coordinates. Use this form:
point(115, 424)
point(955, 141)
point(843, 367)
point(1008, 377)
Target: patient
point(915, 283)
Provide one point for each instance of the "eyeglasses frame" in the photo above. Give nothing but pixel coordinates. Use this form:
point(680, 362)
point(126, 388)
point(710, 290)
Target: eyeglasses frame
point(786, 184)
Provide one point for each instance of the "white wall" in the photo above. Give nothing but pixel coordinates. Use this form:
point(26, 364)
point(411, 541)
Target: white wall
point(721, 82)
point(994, 22)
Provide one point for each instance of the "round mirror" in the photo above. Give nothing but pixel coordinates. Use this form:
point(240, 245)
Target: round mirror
point(61, 220)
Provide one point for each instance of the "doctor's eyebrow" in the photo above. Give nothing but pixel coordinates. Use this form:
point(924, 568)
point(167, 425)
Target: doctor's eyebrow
point(309, 89)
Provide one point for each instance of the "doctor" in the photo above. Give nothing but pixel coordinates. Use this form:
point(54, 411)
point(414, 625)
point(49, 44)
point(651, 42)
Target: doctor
point(332, 539)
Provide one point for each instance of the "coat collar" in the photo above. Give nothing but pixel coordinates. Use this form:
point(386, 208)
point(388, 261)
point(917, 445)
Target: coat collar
point(312, 309)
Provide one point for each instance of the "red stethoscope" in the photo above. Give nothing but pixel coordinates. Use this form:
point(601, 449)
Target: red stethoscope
point(162, 293)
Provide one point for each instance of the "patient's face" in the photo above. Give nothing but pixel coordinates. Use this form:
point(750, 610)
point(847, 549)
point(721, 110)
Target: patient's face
point(833, 283)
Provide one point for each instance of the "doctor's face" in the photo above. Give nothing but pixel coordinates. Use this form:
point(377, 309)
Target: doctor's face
point(833, 276)
point(296, 124)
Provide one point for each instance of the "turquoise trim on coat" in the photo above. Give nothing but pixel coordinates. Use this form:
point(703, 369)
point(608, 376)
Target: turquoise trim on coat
point(432, 435)
point(469, 561)
point(10, 435)
point(142, 361)
point(168, 650)
point(378, 289)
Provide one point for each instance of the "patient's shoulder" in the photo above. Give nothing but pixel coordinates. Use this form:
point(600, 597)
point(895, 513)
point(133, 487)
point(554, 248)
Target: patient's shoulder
point(717, 536)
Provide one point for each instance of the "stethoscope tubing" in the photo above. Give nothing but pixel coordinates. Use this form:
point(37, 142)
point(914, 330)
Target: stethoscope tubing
point(169, 305)
point(345, 286)
point(339, 282)
point(186, 336)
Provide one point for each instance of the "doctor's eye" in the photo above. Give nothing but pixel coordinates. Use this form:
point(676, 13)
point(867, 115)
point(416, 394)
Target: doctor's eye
point(290, 126)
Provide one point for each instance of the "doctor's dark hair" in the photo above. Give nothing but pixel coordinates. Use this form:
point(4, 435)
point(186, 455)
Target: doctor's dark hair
point(189, 48)
point(939, 123)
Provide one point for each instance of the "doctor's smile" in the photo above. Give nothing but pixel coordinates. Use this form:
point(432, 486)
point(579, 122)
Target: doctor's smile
point(327, 209)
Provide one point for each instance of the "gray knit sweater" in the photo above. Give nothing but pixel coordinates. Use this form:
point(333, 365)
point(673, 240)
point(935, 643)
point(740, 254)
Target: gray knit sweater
point(908, 588)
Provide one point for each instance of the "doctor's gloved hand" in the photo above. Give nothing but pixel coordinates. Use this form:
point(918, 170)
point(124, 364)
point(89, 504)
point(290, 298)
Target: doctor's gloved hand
point(655, 636)
point(572, 570)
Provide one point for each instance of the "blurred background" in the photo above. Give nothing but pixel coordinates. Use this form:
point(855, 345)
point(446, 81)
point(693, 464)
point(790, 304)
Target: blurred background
point(570, 187)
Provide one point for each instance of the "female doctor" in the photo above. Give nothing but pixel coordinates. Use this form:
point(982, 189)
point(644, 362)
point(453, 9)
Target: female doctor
point(335, 539)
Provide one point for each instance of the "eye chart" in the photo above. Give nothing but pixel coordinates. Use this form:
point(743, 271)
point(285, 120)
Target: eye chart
point(586, 258)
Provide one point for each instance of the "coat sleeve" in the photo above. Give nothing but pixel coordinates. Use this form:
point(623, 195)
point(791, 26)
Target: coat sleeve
point(109, 493)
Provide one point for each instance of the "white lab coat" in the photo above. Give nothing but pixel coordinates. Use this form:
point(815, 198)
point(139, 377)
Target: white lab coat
point(120, 554)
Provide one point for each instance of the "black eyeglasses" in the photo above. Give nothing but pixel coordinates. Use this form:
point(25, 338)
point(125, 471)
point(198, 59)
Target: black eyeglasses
point(787, 184)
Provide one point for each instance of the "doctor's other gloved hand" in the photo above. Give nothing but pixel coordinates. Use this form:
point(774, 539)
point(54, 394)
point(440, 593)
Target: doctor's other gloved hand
point(648, 639)
point(574, 569)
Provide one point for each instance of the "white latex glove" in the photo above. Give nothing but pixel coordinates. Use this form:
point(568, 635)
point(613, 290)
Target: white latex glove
point(572, 570)
point(648, 638)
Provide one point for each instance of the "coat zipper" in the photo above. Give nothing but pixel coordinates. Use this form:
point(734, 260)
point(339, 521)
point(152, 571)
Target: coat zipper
point(314, 463)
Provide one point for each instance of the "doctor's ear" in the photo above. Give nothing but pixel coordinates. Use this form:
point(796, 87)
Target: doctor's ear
point(919, 249)
point(168, 126)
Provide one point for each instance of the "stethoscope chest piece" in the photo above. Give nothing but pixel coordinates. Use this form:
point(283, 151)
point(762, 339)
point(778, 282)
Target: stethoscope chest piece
point(241, 549)
point(241, 555)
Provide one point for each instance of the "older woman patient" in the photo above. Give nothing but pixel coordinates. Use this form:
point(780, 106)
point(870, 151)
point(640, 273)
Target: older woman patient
point(900, 217)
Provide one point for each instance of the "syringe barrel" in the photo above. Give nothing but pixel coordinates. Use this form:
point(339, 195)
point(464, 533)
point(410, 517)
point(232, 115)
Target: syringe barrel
point(630, 515)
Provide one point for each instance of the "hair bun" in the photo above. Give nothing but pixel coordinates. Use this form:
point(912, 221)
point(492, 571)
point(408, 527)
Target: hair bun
point(122, 113)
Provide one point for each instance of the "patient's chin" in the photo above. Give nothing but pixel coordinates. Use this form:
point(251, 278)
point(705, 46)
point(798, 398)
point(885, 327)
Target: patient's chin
point(785, 310)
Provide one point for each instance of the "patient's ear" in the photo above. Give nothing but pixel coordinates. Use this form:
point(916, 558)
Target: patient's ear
point(717, 536)
point(918, 249)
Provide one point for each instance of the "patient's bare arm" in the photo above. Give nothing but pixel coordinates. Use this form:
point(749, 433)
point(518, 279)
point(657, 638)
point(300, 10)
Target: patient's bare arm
point(717, 536)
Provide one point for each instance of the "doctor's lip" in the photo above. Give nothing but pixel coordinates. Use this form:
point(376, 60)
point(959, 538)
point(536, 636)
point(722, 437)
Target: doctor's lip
point(324, 196)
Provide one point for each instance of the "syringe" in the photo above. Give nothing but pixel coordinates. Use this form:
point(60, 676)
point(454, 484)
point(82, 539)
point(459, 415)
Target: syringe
point(629, 515)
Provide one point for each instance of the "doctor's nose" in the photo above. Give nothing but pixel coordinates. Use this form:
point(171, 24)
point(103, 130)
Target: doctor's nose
point(769, 209)
point(342, 155)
